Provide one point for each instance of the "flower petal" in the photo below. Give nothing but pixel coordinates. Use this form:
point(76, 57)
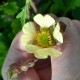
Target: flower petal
point(26, 41)
point(44, 53)
point(45, 21)
point(48, 20)
point(29, 28)
point(29, 32)
point(32, 48)
point(55, 53)
point(41, 54)
point(39, 19)
point(57, 34)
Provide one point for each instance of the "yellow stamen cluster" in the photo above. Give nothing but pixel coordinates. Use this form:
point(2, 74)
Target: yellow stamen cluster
point(44, 38)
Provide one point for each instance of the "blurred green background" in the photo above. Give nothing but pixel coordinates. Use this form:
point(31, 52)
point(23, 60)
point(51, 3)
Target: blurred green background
point(10, 26)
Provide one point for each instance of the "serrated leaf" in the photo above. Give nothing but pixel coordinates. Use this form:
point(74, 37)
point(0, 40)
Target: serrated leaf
point(27, 1)
point(19, 15)
point(22, 15)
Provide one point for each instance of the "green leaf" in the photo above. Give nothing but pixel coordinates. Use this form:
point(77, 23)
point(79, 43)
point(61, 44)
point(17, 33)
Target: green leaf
point(11, 35)
point(20, 3)
point(10, 8)
point(60, 4)
point(58, 7)
point(22, 15)
point(76, 13)
point(27, 1)
point(3, 49)
point(3, 52)
point(72, 4)
point(16, 26)
point(43, 7)
point(1, 63)
point(19, 15)
point(1, 7)
point(54, 8)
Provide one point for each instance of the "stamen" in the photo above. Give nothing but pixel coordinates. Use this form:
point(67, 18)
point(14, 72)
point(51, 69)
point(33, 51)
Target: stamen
point(44, 38)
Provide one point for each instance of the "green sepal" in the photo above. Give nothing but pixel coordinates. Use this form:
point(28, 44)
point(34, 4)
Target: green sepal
point(12, 74)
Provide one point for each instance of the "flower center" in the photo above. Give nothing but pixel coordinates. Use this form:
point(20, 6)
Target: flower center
point(44, 38)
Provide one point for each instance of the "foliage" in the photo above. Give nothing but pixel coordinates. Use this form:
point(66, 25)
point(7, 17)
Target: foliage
point(10, 25)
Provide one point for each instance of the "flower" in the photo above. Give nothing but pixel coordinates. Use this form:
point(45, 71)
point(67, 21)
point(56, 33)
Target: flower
point(41, 41)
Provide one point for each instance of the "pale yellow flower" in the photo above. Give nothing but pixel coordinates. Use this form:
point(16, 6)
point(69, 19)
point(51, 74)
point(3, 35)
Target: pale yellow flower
point(41, 41)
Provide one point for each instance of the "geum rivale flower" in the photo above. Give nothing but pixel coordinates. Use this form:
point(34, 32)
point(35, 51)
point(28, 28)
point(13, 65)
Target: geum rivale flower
point(41, 39)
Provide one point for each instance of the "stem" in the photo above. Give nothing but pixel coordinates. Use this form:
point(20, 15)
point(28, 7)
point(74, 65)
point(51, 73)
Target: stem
point(33, 6)
point(28, 12)
point(30, 3)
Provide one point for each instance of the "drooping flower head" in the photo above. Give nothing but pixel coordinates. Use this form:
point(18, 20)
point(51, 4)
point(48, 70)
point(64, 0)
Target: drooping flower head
point(41, 39)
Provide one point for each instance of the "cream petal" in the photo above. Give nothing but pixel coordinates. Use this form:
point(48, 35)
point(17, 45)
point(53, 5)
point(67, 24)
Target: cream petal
point(29, 28)
point(32, 48)
point(25, 39)
point(41, 55)
point(57, 34)
point(27, 42)
point(38, 56)
point(55, 53)
point(48, 20)
point(44, 21)
point(45, 52)
point(39, 19)
point(29, 32)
